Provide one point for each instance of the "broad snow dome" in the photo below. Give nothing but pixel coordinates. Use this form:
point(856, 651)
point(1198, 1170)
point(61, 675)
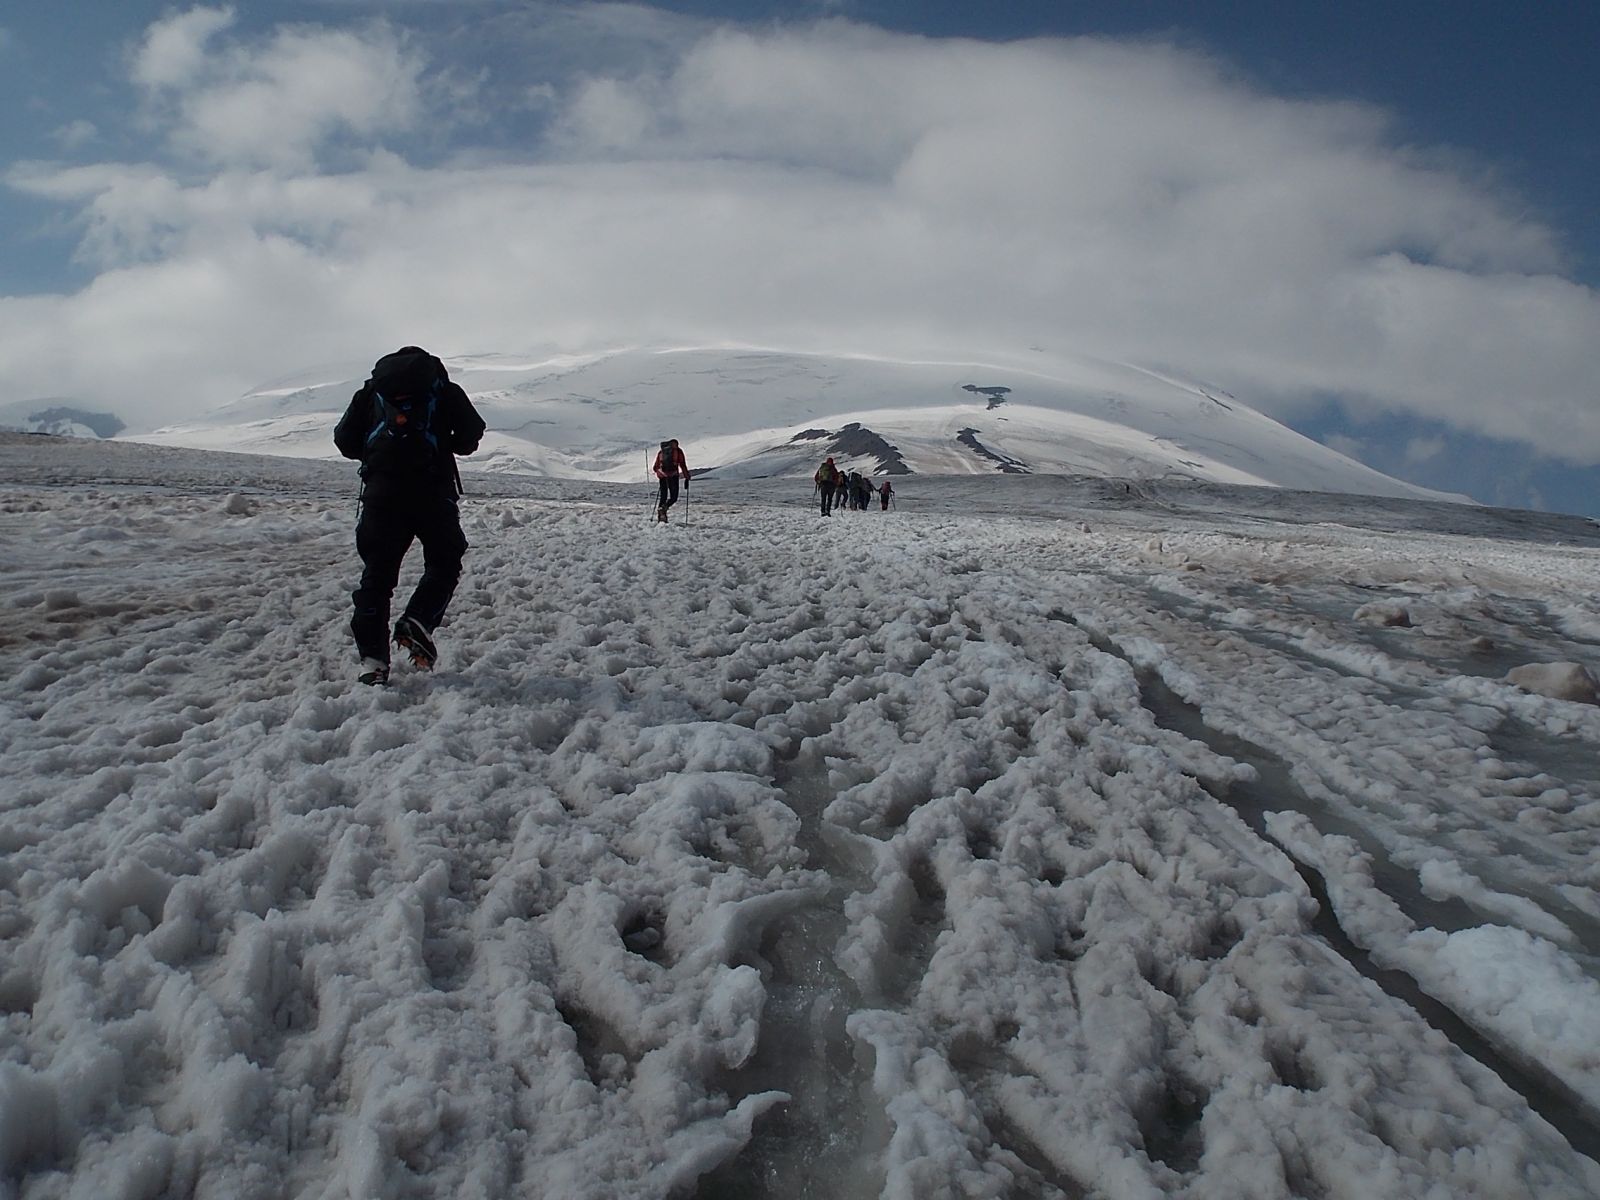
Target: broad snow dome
point(748, 413)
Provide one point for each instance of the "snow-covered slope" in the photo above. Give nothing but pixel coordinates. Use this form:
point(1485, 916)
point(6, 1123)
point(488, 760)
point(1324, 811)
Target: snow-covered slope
point(743, 414)
point(1061, 839)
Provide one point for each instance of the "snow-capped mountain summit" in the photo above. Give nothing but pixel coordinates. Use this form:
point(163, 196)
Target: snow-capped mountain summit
point(752, 413)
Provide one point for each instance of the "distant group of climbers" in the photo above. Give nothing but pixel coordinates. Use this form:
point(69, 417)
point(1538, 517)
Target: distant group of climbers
point(406, 425)
point(837, 488)
point(853, 490)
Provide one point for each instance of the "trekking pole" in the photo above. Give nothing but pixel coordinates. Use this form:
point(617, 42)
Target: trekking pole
point(686, 498)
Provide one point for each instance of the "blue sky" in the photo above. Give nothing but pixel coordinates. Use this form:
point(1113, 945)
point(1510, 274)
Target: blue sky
point(1373, 221)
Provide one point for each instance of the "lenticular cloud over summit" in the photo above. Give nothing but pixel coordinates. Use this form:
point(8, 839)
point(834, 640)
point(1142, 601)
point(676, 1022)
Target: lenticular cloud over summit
point(829, 187)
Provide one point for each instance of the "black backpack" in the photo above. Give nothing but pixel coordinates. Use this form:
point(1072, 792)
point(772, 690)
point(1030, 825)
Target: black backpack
point(409, 434)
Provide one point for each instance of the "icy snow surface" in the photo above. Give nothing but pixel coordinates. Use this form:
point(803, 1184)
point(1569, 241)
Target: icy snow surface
point(1038, 838)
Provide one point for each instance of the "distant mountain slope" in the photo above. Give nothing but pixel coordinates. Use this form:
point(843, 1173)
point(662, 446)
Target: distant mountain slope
point(59, 417)
point(743, 413)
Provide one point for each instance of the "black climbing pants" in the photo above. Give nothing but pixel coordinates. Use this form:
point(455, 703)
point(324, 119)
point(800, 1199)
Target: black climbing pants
point(384, 533)
point(669, 493)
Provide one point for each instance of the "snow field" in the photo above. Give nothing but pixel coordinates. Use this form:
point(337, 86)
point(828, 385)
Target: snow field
point(701, 838)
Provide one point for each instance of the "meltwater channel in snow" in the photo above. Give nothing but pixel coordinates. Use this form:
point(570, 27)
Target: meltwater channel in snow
point(1041, 837)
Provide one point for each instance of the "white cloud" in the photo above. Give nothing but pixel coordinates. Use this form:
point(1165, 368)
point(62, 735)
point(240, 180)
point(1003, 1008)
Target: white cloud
point(173, 51)
point(607, 117)
point(1348, 446)
point(275, 103)
point(831, 187)
point(1421, 450)
point(75, 134)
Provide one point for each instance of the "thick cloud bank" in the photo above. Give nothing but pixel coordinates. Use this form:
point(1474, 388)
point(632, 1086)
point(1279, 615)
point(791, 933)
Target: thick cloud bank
point(565, 178)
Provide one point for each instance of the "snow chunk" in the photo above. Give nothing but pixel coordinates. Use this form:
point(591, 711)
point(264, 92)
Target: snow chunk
point(1558, 680)
point(1528, 993)
point(1385, 612)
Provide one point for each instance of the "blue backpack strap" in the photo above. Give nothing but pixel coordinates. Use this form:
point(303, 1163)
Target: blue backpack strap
point(379, 417)
point(430, 423)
